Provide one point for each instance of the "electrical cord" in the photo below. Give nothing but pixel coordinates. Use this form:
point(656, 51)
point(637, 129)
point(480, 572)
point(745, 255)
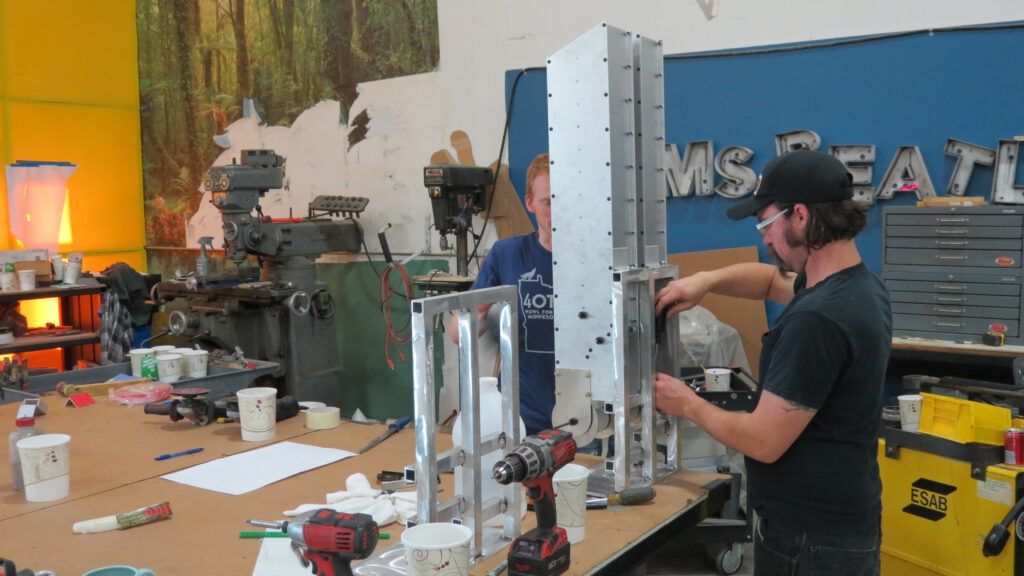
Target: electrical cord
point(477, 238)
point(400, 336)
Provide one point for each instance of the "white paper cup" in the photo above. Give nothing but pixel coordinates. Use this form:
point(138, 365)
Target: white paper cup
point(136, 355)
point(571, 500)
point(196, 362)
point(46, 466)
point(437, 549)
point(910, 411)
point(72, 270)
point(163, 349)
point(58, 268)
point(27, 279)
point(168, 367)
point(717, 379)
point(257, 411)
point(7, 282)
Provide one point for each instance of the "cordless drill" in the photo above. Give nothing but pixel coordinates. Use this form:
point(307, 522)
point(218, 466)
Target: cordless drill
point(543, 551)
point(330, 540)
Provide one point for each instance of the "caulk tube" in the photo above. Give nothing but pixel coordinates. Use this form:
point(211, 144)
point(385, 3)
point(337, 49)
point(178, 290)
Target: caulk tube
point(125, 520)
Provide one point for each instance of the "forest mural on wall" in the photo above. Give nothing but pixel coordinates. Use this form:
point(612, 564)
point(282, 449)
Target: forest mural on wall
point(199, 60)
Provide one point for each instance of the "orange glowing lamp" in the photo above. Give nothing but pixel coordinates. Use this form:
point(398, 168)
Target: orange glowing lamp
point(36, 194)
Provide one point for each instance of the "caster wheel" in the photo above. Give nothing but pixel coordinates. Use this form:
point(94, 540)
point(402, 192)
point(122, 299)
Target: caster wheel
point(729, 559)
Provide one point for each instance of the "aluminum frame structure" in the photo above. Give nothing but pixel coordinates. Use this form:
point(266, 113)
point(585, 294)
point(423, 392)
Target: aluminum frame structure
point(607, 144)
point(468, 508)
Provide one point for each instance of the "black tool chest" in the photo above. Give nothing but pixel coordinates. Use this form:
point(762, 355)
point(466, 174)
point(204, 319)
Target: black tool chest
point(954, 273)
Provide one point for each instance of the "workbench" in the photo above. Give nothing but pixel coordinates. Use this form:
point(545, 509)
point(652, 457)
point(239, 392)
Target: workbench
point(965, 359)
point(113, 471)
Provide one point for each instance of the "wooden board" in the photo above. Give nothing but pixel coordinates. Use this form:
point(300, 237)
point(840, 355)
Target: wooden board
point(202, 536)
point(746, 316)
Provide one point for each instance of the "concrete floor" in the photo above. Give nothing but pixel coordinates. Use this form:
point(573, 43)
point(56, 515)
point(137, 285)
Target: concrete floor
point(691, 561)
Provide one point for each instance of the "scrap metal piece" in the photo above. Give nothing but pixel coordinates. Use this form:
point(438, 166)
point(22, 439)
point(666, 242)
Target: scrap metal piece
point(967, 157)
point(1004, 187)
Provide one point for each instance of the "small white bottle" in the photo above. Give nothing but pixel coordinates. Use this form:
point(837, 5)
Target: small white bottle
point(25, 428)
point(490, 423)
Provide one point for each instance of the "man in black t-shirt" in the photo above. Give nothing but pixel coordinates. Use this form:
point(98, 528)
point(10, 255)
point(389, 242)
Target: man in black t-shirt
point(811, 443)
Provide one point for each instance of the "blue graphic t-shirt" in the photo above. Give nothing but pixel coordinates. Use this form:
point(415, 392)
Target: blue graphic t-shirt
point(522, 262)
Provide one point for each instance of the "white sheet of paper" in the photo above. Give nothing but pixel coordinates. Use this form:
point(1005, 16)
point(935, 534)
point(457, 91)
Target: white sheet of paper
point(254, 469)
point(277, 559)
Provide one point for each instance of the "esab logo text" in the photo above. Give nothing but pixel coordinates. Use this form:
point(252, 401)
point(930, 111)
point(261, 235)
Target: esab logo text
point(929, 499)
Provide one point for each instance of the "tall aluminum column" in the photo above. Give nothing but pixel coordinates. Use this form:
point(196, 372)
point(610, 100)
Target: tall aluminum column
point(606, 141)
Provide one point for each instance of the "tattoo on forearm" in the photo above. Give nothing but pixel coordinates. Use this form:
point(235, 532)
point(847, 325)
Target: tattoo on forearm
point(798, 407)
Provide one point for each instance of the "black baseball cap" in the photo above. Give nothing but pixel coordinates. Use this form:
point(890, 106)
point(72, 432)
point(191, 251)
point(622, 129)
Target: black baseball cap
point(798, 177)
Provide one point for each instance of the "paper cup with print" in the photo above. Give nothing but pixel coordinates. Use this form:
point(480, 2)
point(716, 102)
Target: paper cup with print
point(571, 500)
point(72, 270)
point(58, 267)
point(136, 355)
point(7, 282)
point(257, 411)
point(717, 379)
point(196, 362)
point(437, 549)
point(45, 466)
point(27, 279)
point(168, 367)
point(910, 411)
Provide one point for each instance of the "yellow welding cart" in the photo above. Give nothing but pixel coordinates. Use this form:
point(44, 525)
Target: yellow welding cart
point(944, 488)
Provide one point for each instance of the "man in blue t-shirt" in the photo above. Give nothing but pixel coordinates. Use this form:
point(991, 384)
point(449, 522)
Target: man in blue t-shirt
point(811, 444)
point(525, 262)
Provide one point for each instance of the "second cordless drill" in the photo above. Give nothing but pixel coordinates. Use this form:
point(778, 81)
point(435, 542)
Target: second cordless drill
point(543, 551)
point(329, 539)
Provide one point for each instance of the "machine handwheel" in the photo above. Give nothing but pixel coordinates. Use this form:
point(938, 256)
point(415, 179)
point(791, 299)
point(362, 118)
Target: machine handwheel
point(729, 559)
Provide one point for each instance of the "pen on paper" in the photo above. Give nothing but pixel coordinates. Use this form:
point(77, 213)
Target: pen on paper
point(176, 454)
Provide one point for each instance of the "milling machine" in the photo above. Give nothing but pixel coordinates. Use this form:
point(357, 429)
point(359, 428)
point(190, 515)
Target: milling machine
point(278, 312)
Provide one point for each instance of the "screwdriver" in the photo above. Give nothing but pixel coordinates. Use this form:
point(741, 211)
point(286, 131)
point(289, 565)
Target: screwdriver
point(393, 428)
point(626, 497)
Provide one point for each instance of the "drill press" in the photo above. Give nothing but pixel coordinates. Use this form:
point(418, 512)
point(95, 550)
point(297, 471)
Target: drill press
point(283, 314)
point(544, 550)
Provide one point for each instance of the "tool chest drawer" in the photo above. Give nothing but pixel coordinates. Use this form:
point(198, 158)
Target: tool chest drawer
point(952, 232)
point(940, 257)
point(972, 299)
point(959, 328)
point(958, 301)
point(956, 216)
point(955, 243)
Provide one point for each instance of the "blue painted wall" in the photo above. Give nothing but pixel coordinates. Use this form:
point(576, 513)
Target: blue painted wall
point(906, 90)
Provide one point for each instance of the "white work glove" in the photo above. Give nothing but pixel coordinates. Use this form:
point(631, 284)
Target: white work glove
point(360, 498)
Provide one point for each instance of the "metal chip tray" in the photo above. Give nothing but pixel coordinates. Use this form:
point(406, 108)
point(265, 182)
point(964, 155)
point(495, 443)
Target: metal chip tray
point(221, 380)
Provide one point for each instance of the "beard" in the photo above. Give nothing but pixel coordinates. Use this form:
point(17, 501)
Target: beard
point(793, 242)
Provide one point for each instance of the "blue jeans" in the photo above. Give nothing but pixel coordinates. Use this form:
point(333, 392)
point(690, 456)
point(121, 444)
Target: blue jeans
point(779, 551)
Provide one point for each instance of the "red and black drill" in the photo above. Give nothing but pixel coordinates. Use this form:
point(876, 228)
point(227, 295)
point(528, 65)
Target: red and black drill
point(330, 540)
point(543, 551)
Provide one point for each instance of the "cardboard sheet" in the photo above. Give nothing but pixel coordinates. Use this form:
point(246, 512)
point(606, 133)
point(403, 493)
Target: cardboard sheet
point(746, 316)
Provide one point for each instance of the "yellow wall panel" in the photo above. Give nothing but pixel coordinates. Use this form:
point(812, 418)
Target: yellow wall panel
point(71, 51)
point(106, 200)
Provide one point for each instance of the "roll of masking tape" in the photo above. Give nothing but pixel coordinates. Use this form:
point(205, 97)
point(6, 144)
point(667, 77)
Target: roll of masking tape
point(323, 418)
point(307, 405)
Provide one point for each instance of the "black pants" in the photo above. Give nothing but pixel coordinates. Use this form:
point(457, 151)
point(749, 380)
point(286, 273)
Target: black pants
point(782, 552)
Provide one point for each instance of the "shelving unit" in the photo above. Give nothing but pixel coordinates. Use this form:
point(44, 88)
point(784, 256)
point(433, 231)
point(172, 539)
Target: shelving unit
point(79, 307)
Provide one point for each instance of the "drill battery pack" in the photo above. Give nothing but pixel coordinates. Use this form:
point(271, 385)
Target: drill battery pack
point(539, 552)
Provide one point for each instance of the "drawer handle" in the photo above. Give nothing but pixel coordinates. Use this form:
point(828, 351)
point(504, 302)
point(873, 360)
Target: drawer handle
point(951, 231)
point(950, 310)
point(959, 287)
point(949, 324)
point(941, 257)
point(953, 220)
point(952, 242)
point(951, 299)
